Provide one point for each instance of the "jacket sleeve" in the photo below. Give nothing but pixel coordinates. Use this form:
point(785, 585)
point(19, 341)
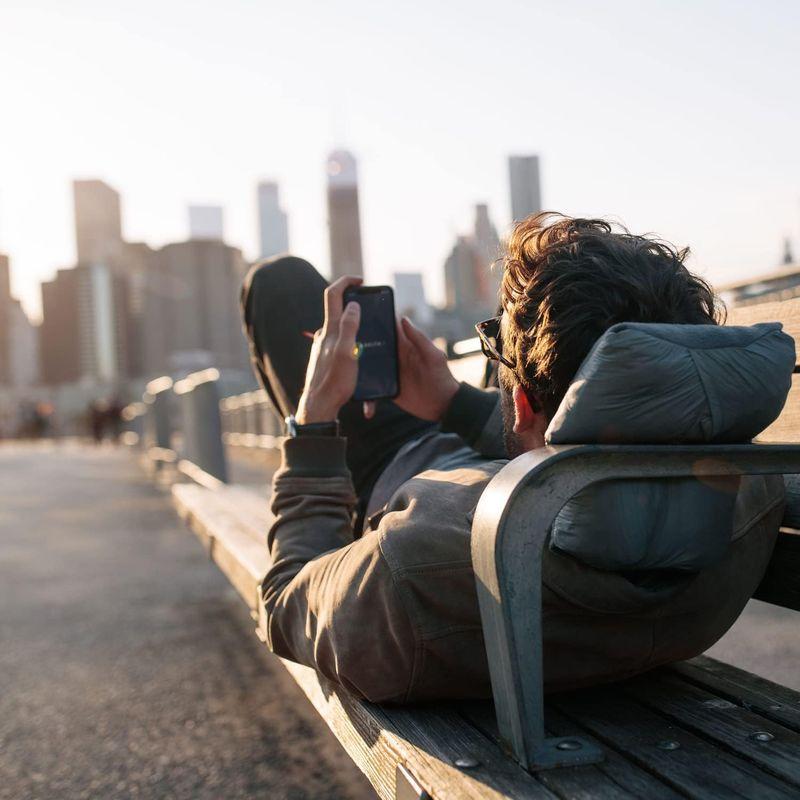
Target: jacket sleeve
point(475, 415)
point(331, 601)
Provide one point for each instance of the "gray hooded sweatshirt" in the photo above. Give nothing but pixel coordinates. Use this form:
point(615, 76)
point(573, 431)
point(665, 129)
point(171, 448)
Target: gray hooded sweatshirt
point(638, 573)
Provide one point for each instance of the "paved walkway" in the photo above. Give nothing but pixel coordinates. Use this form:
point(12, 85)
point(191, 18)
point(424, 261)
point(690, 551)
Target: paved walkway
point(128, 668)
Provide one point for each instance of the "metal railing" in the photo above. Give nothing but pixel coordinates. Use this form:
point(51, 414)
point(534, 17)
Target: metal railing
point(248, 420)
point(187, 424)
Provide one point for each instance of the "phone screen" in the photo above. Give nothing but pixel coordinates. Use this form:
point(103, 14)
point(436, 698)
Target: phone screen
point(376, 341)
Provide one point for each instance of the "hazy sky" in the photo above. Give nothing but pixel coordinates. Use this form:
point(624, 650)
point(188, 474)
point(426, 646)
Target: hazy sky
point(677, 117)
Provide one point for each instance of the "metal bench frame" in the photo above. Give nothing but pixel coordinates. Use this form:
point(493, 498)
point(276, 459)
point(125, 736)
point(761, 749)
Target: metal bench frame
point(509, 534)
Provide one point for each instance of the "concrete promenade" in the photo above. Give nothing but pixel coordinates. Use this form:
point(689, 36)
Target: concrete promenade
point(128, 668)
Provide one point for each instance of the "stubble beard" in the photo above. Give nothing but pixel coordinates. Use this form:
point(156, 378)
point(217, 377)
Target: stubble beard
point(512, 442)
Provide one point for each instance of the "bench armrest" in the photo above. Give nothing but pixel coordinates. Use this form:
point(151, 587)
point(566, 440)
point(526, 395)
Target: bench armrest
point(509, 533)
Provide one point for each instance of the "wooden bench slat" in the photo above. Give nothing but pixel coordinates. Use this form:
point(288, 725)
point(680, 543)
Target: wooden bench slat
point(614, 778)
point(696, 767)
point(425, 739)
point(786, 312)
point(775, 702)
point(727, 724)
point(615, 770)
point(240, 557)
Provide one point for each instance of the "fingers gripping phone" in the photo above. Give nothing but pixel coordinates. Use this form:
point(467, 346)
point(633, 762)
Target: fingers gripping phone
point(376, 342)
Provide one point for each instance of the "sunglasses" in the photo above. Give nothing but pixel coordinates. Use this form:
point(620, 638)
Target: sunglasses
point(492, 342)
point(492, 346)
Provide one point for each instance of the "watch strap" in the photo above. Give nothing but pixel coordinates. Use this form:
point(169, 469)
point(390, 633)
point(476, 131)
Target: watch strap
point(294, 429)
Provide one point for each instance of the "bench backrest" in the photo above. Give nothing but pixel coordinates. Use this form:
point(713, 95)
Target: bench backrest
point(787, 427)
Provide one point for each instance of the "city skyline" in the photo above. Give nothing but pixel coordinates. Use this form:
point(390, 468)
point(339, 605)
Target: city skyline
point(675, 120)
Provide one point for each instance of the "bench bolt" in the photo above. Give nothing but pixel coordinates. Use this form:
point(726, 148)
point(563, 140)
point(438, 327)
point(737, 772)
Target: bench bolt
point(467, 762)
point(762, 736)
point(569, 744)
point(669, 744)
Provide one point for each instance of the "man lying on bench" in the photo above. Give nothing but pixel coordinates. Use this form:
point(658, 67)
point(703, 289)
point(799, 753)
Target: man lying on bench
point(604, 337)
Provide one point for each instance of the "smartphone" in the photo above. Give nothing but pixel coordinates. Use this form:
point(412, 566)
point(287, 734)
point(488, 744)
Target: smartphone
point(376, 341)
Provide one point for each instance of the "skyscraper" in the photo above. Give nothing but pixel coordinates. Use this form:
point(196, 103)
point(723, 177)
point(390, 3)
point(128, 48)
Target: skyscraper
point(409, 298)
point(84, 333)
point(462, 269)
point(344, 226)
point(272, 221)
point(206, 222)
point(24, 358)
point(191, 313)
point(59, 335)
point(526, 196)
point(98, 221)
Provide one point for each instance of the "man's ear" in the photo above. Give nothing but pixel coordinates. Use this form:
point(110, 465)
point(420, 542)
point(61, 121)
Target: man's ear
point(526, 417)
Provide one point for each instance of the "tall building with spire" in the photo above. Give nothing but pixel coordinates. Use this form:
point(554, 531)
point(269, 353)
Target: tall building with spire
point(344, 225)
point(526, 193)
point(272, 221)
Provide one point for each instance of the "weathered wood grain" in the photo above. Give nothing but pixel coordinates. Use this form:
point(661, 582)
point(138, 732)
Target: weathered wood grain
point(614, 778)
point(696, 767)
point(786, 312)
point(426, 739)
point(775, 702)
point(731, 726)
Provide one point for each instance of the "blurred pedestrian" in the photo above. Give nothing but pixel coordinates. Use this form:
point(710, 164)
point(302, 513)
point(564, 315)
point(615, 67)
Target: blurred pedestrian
point(98, 411)
point(114, 418)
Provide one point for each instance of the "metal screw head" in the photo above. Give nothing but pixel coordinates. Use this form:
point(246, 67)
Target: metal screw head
point(466, 762)
point(762, 736)
point(669, 744)
point(569, 744)
point(775, 707)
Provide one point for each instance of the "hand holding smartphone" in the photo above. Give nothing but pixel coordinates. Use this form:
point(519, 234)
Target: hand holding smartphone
point(376, 342)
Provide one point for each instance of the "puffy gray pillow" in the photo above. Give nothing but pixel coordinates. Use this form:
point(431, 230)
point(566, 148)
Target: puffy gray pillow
point(652, 383)
point(656, 383)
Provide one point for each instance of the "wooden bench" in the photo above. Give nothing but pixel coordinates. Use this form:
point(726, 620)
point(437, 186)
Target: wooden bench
point(698, 729)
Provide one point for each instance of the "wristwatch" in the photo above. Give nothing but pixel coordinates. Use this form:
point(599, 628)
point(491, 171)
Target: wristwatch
point(295, 429)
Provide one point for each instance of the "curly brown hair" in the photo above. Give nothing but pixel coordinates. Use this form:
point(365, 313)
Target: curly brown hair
point(567, 280)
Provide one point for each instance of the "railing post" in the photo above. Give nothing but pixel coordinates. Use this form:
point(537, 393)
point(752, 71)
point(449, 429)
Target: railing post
point(157, 428)
point(202, 426)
